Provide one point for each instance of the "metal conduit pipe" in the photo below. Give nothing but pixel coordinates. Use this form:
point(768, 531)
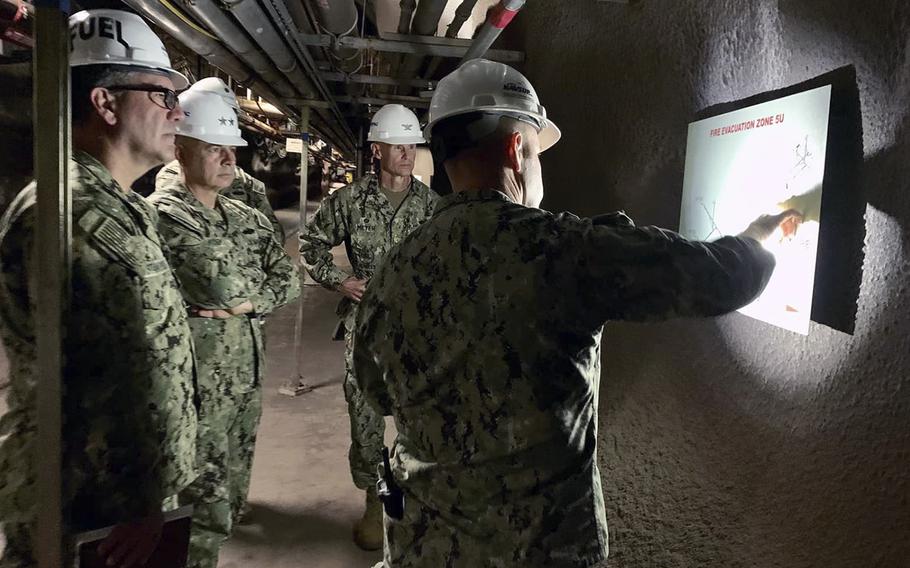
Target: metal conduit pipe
point(255, 107)
point(497, 19)
point(210, 14)
point(407, 12)
point(426, 22)
point(337, 17)
point(336, 127)
point(426, 19)
point(211, 50)
point(205, 46)
point(265, 91)
point(462, 13)
point(255, 21)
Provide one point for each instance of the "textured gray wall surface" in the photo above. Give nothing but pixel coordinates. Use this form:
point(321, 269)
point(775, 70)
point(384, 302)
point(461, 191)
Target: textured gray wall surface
point(728, 442)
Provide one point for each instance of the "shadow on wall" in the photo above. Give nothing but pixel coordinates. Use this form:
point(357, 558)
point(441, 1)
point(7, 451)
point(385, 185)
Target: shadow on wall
point(708, 463)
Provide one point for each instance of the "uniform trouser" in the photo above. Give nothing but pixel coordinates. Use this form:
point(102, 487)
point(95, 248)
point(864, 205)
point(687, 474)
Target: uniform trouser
point(224, 453)
point(367, 426)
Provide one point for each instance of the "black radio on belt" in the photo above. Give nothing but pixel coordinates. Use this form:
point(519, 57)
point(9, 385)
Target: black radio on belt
point(388, 491)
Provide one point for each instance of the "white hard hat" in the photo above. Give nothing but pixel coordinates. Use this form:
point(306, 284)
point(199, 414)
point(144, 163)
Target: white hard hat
point(209, 118)
point(486, 86)
point(115, 37)
point(395, 124)
point(217, 86)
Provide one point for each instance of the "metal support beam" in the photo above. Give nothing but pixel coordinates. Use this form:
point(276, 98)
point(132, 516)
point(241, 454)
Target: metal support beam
point(413, 102)
point(337, 77)
point(309, 103)
point(53, 242)
point(297, 385)
point(416, 45)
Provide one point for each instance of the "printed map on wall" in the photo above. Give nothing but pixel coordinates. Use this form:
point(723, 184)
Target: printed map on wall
point(763, 159)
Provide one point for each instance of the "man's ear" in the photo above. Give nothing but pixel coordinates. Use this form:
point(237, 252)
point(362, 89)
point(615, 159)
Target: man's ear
point(104, 103)
point(374, 149)
point(514, 151)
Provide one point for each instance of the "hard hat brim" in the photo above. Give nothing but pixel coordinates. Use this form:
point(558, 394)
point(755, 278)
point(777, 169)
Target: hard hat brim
point(216, 139)
point(549, 134)
point(399, 140)
point(177, 78)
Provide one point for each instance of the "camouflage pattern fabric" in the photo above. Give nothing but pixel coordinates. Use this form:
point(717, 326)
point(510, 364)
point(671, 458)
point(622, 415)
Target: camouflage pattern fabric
point(223, 257)
point(245, 189)
point(362, 218)
point(480, 334)
point(129, 395)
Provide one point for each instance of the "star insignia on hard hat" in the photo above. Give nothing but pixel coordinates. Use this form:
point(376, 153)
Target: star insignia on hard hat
point(407, 127)
point(231, 121)
point(222, 120)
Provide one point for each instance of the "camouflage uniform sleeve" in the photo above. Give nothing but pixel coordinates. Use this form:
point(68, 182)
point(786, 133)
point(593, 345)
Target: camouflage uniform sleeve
point(282, 282)
point(623, 272)
point(327, 229)
point(205, 266)
point(259, 200)
point(366, 371)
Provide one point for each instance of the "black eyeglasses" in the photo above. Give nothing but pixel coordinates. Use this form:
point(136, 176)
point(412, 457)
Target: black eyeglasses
point(167, 100)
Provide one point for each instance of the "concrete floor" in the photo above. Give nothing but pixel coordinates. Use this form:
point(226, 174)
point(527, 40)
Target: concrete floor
point(303, 501)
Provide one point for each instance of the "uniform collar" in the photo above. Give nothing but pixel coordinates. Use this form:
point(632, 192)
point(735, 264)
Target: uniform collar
point(91, 164)
point(107, 186)
point(173, 184)
point(372, 184)
point(477, 196)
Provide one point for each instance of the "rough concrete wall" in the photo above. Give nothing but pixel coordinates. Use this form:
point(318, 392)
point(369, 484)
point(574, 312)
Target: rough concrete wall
point(728, 442)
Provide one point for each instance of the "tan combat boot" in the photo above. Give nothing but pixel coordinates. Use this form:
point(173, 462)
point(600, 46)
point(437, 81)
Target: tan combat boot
point(368, 530)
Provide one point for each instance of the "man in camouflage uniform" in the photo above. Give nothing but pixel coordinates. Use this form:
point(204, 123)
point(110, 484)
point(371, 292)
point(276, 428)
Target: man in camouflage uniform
point(245, 188)
point(232, 271)
point(128, 407)
point(481, 334)
point(369, 216)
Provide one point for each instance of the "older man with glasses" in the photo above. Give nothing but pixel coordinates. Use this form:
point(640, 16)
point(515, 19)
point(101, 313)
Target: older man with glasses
point(129, 391)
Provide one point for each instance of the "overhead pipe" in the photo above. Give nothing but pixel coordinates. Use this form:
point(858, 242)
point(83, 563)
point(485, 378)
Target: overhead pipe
point(258, 24)
point(255, 107)
point(426, 22)
point(210, 14)
point(259, 126)
point(426, 19)
point(462, 13)
point(209, 48)
point(331, 119)
point(407, 12)
point(339, 18)
point(255, 21)
point(205, 46)
point(498, 17)
point(280, 22)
